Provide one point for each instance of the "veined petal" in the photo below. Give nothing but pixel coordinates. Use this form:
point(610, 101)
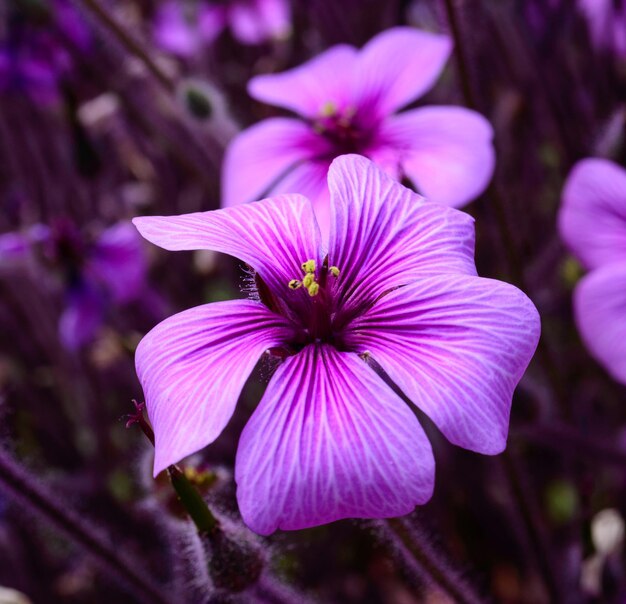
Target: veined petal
point(592, 219)
point(600, 307)
point(311, 87)
point(457, 346)
point(383, 235)
point(259, 159)
point(330, 440)
point(397, 67)
point(274, 236)
point(192, 367)
point(117, 261)
point(446, 151)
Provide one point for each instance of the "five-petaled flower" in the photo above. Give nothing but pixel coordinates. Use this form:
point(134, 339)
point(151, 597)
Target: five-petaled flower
point(592, 222)
point(347, 99)
point(397, 284)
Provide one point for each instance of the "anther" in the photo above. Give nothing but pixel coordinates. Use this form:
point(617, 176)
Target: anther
point(308, 279)
point(313, 289)
point(295, 284)
point(334, 271)
point(308, 266)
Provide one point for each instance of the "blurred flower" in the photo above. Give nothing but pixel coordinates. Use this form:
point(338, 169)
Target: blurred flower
point(347, 101)
point(607, 23)
point(592, 222)
point(34, 51)
point(183, 28)
point(108, 270)
point(330, 439)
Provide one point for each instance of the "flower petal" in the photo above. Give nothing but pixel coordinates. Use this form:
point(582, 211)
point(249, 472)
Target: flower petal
point(192, 367)
point(307, 89)
point(600, 307)
point(82, 317)
point(592, 219)
point(173, 32)
point(457, 346)
point(260, 158)
point(274, 236)
point(398, 66)
point(330, 440)
point(383, 235)
point(117, 260)
point(446, 151)
point(256, 22)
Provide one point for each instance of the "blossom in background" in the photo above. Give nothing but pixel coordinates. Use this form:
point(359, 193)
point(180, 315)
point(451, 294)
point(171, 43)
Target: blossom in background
point(592, 222)
point(34, 54)
point(184, 28)
point(397, 283)
point(109, 270)
point(607, 23)
point(347, 99)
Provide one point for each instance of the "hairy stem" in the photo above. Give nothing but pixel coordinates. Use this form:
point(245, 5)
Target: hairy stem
point(18, 484)
point(131, 45)
point(430, 564)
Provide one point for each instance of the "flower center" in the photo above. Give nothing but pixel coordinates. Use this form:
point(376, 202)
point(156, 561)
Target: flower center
point(316, 314)
point(342, 128)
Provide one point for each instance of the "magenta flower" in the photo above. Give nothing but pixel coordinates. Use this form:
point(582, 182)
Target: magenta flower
point(347, 101)
point(96, 274)
point(397, 284)
point(592, 222)
point(607, 23)
point(183, 29)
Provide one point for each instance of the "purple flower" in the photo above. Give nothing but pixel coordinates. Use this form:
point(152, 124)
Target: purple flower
point(96, 275)
point(183, 29)
point(607, 23)
point(347, 101)
point(397, 284)
point(33, 59)
point(592, 222)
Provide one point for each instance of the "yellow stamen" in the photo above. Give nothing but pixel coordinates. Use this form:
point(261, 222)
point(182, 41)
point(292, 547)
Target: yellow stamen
point(308, 266)
point(313, 289)
point(328, 109)
point(295, 284)
point(308, 279)
point(334, 271)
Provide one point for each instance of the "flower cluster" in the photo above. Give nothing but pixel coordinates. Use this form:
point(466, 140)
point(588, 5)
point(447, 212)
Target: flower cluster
point(183, 28)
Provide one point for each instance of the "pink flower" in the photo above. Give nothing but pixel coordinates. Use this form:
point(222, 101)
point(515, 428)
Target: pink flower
point(183, 29)
point(347, 99)
point(607, 23)
point(397, 284)
point(592, 222)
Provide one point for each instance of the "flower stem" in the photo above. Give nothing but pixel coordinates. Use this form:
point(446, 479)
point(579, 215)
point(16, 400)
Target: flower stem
point(37, 499)
point(134, 47)
point(430, 564)
point(188, 495)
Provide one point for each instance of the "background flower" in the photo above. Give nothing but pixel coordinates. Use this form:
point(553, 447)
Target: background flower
point(347, 99)
point(593, 224)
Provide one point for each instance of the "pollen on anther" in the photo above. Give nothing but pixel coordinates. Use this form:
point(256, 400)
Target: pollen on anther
point(295, 284)
point(308, 266)
point(313, 289)
point(334, 271)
